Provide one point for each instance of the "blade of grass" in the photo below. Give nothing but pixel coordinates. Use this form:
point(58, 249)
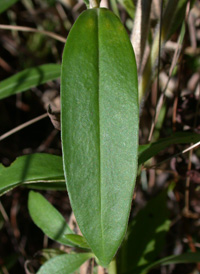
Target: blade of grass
point(149, 150)
point(172, 17)
point(29, 78)
point(184, 258)
point(174, 62)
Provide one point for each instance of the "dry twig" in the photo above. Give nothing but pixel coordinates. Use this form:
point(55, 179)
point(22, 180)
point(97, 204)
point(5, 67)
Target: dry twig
point(27, 29)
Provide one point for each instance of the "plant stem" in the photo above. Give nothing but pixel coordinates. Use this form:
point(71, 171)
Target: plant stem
point(94, 4)
point(20, 127)
point(112, 268)
point(140, 29)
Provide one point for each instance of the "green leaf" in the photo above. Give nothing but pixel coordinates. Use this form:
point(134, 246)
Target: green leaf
point(145, 237)
point(29, 78)
point(129, 7)
point(149, 150)
point(64, 264)
point(87, 3)
point(175, 10)
point(184, 258)
point(31, 168)
point(113, 4)
point(47, 185)
point(48, 219)
point(100, 128)
point(5, 4)
point(77, 240)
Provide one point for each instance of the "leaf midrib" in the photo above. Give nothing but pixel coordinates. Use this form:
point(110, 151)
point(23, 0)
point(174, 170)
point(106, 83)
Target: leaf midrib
point(99, 114)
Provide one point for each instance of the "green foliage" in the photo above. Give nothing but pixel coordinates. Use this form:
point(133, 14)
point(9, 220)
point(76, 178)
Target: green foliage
point(49, 220)
point(5, 4)
point(31, 168)
point(77, 240)
point(56, 185)
point(114, 7)
point(129, 7)
point(43, 179)
point(100, 128)
point(100, 141)
point(28, 78)
point(177, 259)
point(149, 150)
point(145, 236)
point(87, 3)
point(175, 10)
point(64, 264)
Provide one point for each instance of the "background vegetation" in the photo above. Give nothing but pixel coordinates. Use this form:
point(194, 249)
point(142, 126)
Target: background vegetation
point(166, 39)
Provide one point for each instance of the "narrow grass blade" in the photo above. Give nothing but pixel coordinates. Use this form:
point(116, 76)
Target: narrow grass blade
point(175, 10)
point(149, 150)
point(129, 7)
point(184, 258)
point(29, 78)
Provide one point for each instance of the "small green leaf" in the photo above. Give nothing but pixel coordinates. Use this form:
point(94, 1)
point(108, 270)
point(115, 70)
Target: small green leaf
point(149, 150)
point(64, 264)
point(77, 240)
point(100, 128)
point(5, 4)
point(145, 237)
point(31, 168)
point(48, 219)
point(29, 78)
point(184, 258)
